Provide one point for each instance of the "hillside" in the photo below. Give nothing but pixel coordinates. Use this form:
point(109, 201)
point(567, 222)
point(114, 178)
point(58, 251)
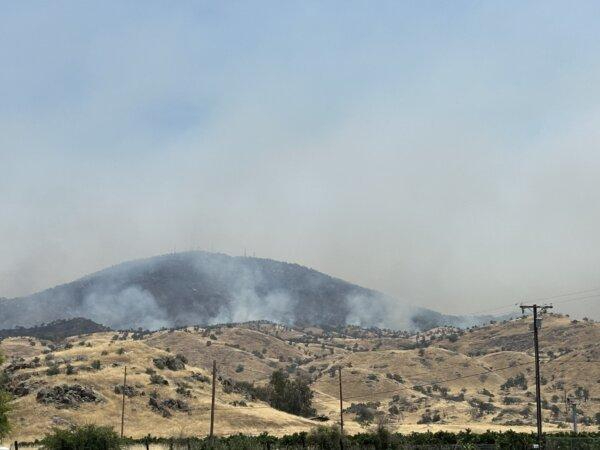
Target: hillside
point(56, 330)
point(204, 288)
point(447, 378)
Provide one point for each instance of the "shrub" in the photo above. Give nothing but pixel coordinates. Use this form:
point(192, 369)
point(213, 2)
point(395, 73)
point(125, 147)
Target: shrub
point(239, 368)
point(326, 438)
point(429, 417)
point(174, 363)
point(395, 377)
point(510, 400)
point(480, 408)
point(394, 410)
point(365, 412)
point(53, 370)
point(158, 379)
point(517, 381)
point(96, 364)
point(89, 437)
point(182, 389)
point(199, 377)
point(582, 392)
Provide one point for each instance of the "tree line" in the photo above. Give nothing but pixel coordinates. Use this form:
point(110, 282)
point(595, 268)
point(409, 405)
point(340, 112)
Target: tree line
point(91, 437)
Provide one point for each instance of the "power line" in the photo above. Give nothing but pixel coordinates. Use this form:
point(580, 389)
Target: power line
point(499, 308)
point(567, 294)
point(589, 297)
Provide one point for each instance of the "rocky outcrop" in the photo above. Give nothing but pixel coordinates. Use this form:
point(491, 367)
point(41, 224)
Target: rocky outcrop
point(68, 396)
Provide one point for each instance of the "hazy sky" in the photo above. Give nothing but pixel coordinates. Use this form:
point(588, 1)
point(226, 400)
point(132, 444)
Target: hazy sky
point(446, 153)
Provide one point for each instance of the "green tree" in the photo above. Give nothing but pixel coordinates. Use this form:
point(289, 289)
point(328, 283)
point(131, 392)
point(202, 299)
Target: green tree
point(293, 396)
point(4, 407)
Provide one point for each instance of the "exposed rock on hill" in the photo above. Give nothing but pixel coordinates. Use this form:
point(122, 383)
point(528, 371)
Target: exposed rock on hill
point(68, 395)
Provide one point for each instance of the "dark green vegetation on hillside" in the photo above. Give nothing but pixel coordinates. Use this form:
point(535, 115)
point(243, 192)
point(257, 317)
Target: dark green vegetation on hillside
point(56, 330)
point(4, 405)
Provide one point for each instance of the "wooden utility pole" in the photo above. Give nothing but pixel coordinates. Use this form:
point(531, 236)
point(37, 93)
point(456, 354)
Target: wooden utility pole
point(538, 397)
point(341, 410)
point(212, 405)
point(573, 404)
point(123, 404)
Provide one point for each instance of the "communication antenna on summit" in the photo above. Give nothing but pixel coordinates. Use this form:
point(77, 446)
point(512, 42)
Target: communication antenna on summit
point(537, 322)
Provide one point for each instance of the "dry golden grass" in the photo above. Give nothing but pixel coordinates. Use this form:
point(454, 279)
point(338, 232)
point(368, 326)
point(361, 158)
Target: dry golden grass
point(32, 419)
point(21, 347)
point(476, 366)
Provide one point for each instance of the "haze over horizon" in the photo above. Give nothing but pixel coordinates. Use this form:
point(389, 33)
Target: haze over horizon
point(445, 154)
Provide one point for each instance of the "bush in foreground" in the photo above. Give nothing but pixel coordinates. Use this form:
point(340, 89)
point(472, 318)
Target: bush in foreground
point(88, 437)
point(92, 437)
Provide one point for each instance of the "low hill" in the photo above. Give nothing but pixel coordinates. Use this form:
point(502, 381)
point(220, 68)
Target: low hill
point(205, 288)
point(447, 378)
point(57, 330)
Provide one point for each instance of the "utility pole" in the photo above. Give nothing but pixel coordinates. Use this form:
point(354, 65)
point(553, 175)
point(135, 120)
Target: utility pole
point(212, 405)
point(341, 410)
point(123, 404)
point(573, 404)
point(538, 398)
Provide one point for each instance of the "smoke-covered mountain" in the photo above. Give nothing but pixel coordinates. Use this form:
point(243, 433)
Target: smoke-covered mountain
point(205, 288)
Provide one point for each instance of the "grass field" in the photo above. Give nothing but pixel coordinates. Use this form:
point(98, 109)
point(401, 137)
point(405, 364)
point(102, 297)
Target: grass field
point(444, 377)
